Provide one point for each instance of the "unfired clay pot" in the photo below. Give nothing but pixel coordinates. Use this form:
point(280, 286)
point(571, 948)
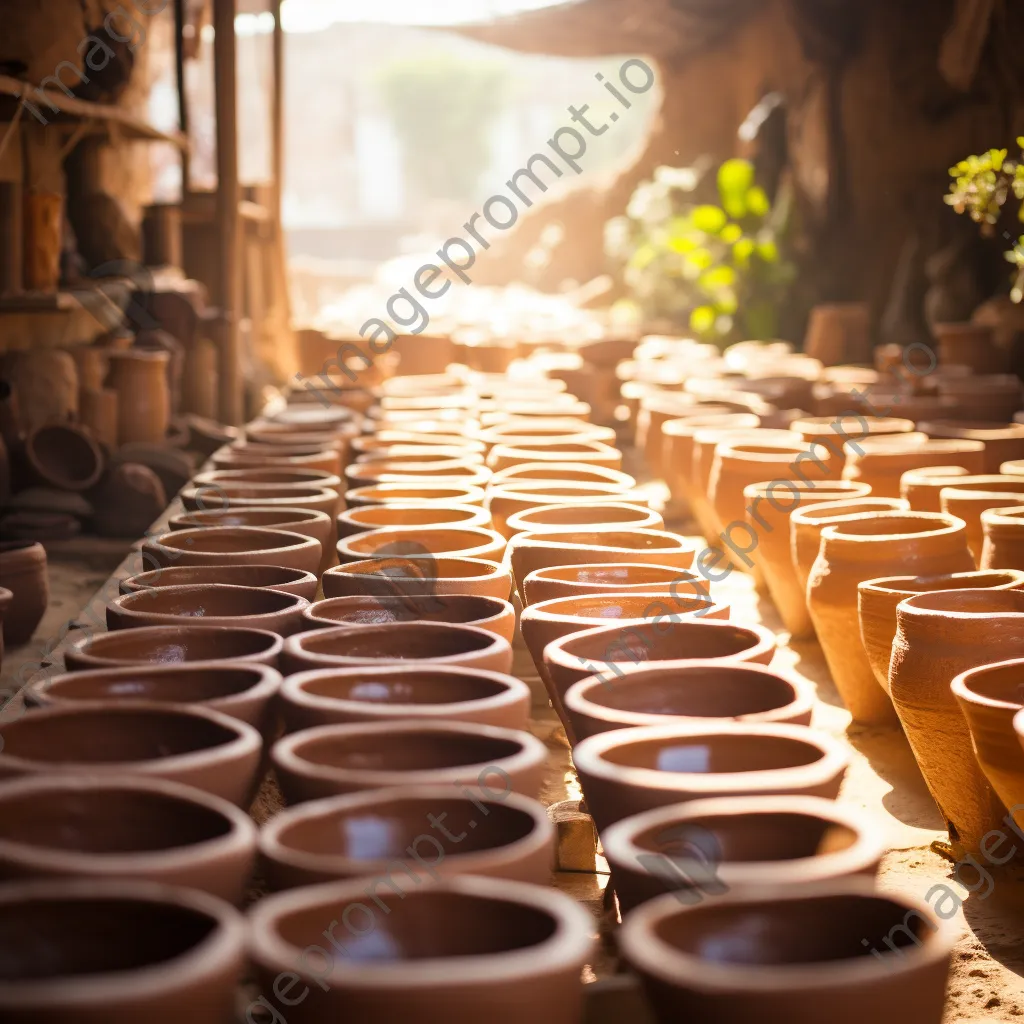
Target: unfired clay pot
point(275, 476)
point(459, 471)
point(335, 759)
point(457, 951)
point(64, 456)
point(627, 771)
point(968, 504)
point(327, 459)
point(399, 542)
point(365, 834)
point(687, 694)
point(835, 431)
point(881, 461)
point(782, 954)
point(513, 496)
point(241, 496)
point(768, 509)
point(564, 472)
point(595, 577)
point(23, 573)
point(167, 645)
point(1003, 544)
point(124, 829)
point(1003, 441)
point(143, 396)
point(406, 577)
point(428, 644)
point(117, 952)
point(939, 636)
point(878, 599)
point(587, 453)
point(341, 696)
point(233, 545)
point(585, 516)
point(266, 577)
point(309, 523)
point(865, 548)
point(192, 745)
point(410, 515)
point(490, 613)
point(420, 493)
point(707, 847)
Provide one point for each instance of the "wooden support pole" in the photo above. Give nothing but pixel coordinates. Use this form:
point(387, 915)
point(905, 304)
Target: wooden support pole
point(228, 220)
point(179, 67)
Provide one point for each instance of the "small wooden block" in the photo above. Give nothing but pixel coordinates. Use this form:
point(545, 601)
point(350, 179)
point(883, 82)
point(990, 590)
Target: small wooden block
point(577, 837)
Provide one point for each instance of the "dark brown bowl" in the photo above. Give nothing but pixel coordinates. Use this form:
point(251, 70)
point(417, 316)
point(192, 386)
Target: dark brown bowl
point(267, 577)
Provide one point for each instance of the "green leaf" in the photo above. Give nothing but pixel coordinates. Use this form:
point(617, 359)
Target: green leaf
point(731, 233)
point(768, 251)
point(717, 278)
point(742, 251)
point(735, 179)
point(757, 202)
point(643, 257)
point(702, 319)
point(710, 219)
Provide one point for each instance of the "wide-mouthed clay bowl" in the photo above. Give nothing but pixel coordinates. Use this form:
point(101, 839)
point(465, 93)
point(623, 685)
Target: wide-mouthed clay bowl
point(584, 516)
point(192, 745)
point(266, 577)
point(233, 545)
point(418, 492)
point(416, 643)
point(783, 954)
point(117, 952)
point(687, 694)
point(460, 950)
point(124, 828)
point(631, 770)
point(413, 542)
point(334, 759)
point(173, 645)
point(308, 522)
point(392, 692)
point(411, 515)
point(705, 848)
point(370, 834)
point(241, 495)
point(584, 579)
point(212, 604)
point(275, 476)
point(520, 495)
point(441, 575)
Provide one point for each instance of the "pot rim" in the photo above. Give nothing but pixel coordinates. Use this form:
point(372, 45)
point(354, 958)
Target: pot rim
point(937, 445)
point(878, 585)
point(921, 607)
point(292, 515)
point(493, 570)
point(289, 498)
point(546, 611)
point(1008, 517)
point(837, 533)
point(842, 489)
point(562, 539)
point(642, 514)
point(680, 426)
point(486, 540)
point(473, 513)
point(359, 497)
point(300, 576)
point(122, 604)
point(80, 648)
point(961, 686)
point(825, 513)
point(315, 479)
point(548, 573)
point(499, 606)
point(296, 541)
point(826, 425)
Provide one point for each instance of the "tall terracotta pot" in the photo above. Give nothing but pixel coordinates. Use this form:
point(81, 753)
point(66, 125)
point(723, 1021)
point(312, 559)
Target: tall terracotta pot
point(1002, 441)
point(939, 636)
point(1003, 546)
point(865, 548)
point(839, 333)
point(882, 461)
point(678, 446)
point(143, 397)
point(969, 344)
point(971, 501)
point(835, 431)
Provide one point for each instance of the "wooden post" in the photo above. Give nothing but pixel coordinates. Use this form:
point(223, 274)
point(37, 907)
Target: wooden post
point(228, 222)
point(179, 66)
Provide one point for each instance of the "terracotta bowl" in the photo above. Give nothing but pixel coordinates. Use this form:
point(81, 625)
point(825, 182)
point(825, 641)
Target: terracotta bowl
point(269, 477)
point(212, 604)
point(442, 576)
point(513, 496)
point(537, 472)
point(923, 488)
point(343, 696)
point(584, 579)
point(266, 577)
point(117, 952)
point(612, 652)
point(765, 955)
point(233, 545)
point(709, 847)
point(408, 515)
point(295, 520)
point(419, 492)
point(124, 829)
point(244, 690)
point(471, 949)
point(587, 516)
point(193, 745)
point(173, 645)
point(328, 840)
point(688, 694)
point(1003, 530)
point(631, 770)
point(214, 497)
point(421, 643)
point(463, 472)
point(335, 759)
point(412, 542)
point(390, 439)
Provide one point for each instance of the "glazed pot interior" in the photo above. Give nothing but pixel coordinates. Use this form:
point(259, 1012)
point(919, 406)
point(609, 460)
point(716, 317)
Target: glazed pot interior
point(647, 642)
point(229, 575)
point(215, 541)
point(812, 930)
point(386, 830)
point(405, 751)
point(49, 939)
point(208, 601)
point(430, 926)
point(170, 645)
point(399, 643)
point(183, 686)
point(107, 821)
point(713, 754)
point(422, 687)
point(111, 736)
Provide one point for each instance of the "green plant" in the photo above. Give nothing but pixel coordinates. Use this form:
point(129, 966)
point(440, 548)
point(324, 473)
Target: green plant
point(715, 268)
point(982, 187)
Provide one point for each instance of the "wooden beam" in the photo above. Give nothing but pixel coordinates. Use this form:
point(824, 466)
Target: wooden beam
point(179, 68)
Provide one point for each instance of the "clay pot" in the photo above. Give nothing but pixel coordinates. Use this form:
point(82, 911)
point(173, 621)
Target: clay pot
point(971, 501)
point(462, 472)
point(265, 577)
point(64, 456)
point(627, 771)
point(392, 692)
point(418, 576)
point(597, 577)
point(1003, 545)
point(839, 332)
point(323, 840)
point(426, 643)
point(445, 494)
point(407, 516)
point(922, 488)
point(124, 829)
point(613, 652)
point(130, 498)
point(240, 497)
point(802, 949)
point(327, 460)
point(463, 950)
point(214, 604)
point(162, 951)
point(490, 613)
point(1003, 441)
point(587, 453)
point(531, 551)
point(865, 548)
point(390, 440)
point(263, 477)
point(689, 694)
point(713, 846)
point(313, 417)
point(678, 448)
point(412, 542)
point(162, 645)
point(835, 431)
point(882, 461)
point(877, 601)
point(244, 690)
point(969, 344)
point(97, 413)
point(564, 472)
point(233, 545)
point(188, 744)
point(6, 597)
point(143, 397)
point(335, 759)
point(23, 573)
point(520, 433)
point(589, 516)
point(514, 496)
point(939, 636)
point(309, 523)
